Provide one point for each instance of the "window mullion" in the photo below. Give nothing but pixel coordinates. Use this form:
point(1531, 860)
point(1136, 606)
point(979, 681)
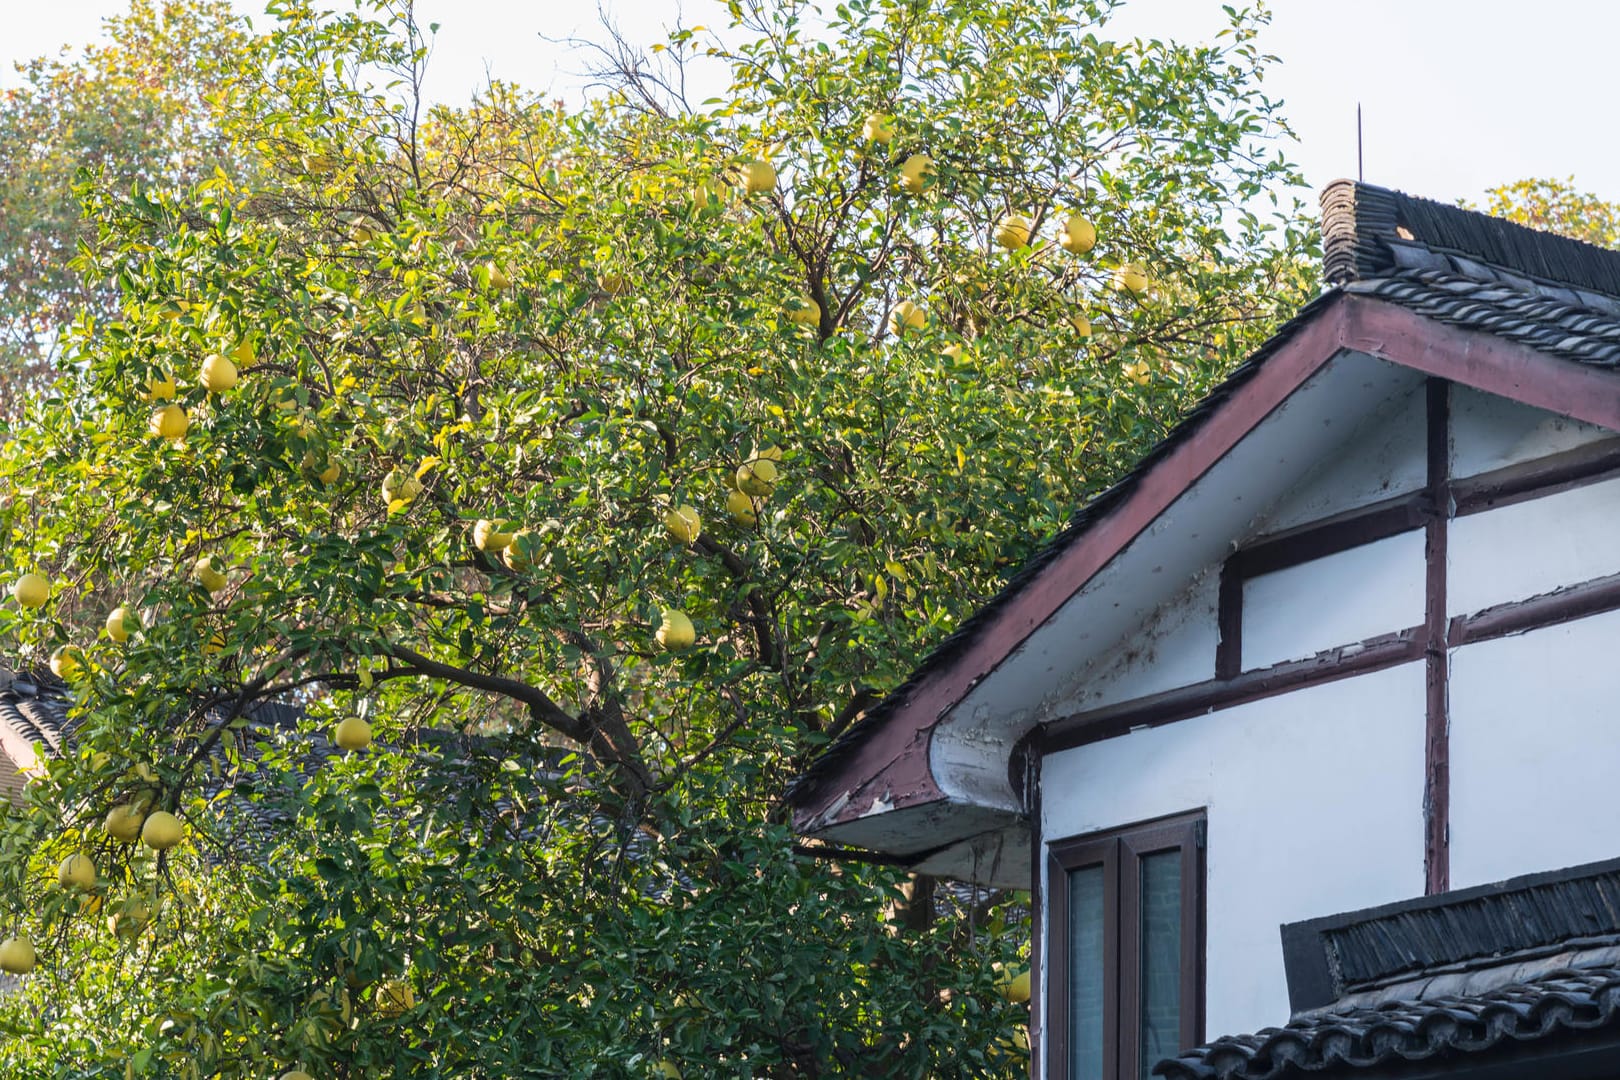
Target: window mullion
point(1127, 935)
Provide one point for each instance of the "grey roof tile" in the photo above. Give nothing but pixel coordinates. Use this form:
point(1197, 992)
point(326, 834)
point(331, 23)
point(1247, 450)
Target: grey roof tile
point(1571, 1000)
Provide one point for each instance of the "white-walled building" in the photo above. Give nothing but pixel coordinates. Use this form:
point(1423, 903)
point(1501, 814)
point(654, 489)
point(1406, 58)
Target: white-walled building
point(1330, 647)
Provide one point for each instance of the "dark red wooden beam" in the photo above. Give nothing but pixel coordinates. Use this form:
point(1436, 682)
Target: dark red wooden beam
point(1077, 729)
point(1565, 605)
point(1437, 695)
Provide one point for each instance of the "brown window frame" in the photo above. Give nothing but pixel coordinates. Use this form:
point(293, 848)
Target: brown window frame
point(1119, 852)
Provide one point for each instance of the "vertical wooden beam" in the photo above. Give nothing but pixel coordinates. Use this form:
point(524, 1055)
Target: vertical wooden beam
point(1229, 621)
point(1037, 914)
point(1437, 739)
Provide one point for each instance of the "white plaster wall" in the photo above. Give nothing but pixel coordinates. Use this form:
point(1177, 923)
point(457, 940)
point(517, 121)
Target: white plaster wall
point(1176, 647)
point(1339, 599)
point(1533, 547)
point(1386, 456)
point(1490, 432)
point(1314, 803)
point(1535, 751)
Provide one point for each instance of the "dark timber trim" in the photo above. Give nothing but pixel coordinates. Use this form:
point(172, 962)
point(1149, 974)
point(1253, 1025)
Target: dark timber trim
point(1341, 532)
point(1293, 547)
point(1437, 736)
point(1375, 654)
point(1229, 622)
point(1037, 908)
point(1550, 609)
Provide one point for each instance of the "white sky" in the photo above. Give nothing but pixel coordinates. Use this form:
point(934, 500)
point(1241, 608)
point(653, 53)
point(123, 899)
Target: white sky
point(1458, 95)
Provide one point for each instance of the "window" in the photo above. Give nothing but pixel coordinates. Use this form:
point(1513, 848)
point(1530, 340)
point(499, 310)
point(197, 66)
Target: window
point(1125, 984)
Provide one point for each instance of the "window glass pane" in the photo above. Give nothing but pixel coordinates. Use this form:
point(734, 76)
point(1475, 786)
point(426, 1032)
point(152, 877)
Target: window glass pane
point(1086, 973)
point(1161, 958)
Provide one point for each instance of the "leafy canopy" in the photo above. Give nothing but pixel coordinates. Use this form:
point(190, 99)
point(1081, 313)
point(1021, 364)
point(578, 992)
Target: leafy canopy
point(565, 854)
point(134, 110)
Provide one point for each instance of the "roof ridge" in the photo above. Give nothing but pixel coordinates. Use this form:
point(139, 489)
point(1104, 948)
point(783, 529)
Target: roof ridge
point(1371, 232)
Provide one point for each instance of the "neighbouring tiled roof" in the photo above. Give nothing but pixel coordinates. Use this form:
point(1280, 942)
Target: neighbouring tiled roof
point(1455, 942)
point(30, 713)
point(1396, 1033)
point(1458, 267)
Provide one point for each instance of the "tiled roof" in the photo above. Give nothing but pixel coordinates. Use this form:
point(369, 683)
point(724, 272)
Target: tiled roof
point(1455, 266)
point(1399, 1032)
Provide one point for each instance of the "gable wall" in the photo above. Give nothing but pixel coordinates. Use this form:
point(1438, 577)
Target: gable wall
point(1315, 797)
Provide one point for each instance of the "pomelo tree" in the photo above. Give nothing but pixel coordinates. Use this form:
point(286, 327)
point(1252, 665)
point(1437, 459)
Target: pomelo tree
point(607, 464)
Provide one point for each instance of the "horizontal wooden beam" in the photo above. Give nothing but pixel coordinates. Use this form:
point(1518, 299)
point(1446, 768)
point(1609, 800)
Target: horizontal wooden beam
point(1330, 536)
point(1077, 729)
point(1566, 605)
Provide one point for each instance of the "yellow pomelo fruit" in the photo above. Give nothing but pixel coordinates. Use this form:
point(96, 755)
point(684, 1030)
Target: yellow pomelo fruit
point(1013, 232)
point(31, 591)
point(128, 920)
point(124, 823)
point(757, 477)
point(742, 509)
point(352, 733)
point(210, 572)
point(1077, 235)
point(1131, 278)
point(804, 312)
point(683, 525)
point(218, 374)
point(119, 624)
point(67, 662)
point(395, 997)
point(758, 176)
point(916, 172)
point(17, 955)
point(160, 388)
point(879, 128)
point(400, 486)
point(521, 553)
point(162, 831)
point(170, 422)
point(78, 871)
point(676, 632)
point(490, 536)
point(907, 316)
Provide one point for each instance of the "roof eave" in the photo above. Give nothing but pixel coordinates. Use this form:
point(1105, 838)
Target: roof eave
point(886, 763)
